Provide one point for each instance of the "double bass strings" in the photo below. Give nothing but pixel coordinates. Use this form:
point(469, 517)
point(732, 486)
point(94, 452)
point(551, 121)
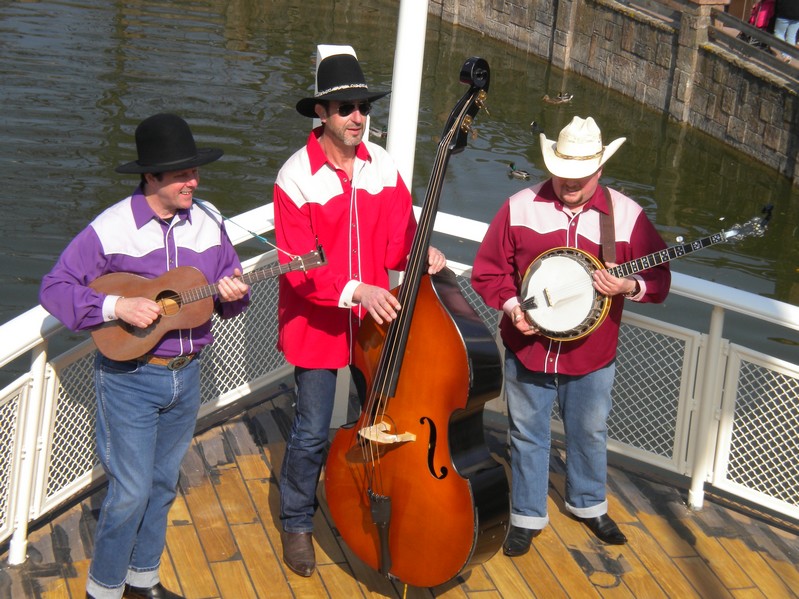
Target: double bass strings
point(390, 359)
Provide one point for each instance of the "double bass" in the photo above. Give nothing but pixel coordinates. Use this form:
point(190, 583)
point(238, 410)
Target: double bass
point(411, 486)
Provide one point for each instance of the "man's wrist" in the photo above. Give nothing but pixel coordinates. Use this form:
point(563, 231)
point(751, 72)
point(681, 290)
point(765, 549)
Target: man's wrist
point(636, 289)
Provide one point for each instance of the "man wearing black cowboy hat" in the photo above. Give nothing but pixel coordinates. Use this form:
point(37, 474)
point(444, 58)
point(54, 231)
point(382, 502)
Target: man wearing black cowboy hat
point(147, 406)
point(347, 195)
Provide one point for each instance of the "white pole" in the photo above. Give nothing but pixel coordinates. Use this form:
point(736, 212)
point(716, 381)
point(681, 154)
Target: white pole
point(406, 86)
point(702, 459)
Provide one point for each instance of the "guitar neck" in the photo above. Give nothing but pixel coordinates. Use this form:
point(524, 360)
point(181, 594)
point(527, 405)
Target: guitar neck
point(255, 276)
point(663, 256)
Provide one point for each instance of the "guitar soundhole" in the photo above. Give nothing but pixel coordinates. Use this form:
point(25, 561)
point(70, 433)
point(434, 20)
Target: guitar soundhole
point(169, 301)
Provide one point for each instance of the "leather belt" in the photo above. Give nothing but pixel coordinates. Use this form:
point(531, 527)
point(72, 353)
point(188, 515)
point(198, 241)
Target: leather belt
point(175, 363)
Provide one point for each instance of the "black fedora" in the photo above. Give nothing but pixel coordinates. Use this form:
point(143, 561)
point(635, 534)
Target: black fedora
point(164, 143)
point(338, 77)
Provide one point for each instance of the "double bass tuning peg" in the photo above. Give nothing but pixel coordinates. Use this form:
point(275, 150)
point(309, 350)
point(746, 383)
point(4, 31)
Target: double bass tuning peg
point(480, 101)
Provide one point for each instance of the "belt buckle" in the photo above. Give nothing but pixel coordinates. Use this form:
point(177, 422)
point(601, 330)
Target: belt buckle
point(178, 362)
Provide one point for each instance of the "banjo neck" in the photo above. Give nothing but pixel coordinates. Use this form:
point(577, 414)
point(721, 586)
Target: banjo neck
point(754, 227)
point(666, 255)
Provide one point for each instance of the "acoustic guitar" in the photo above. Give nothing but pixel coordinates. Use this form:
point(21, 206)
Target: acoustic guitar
point(186, 301)
point(558, 295)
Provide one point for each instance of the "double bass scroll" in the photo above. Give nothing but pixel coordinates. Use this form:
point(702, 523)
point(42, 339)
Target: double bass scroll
point(411, 486)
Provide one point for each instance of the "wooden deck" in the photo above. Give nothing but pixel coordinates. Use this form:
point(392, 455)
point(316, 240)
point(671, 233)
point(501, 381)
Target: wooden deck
point(223, 540)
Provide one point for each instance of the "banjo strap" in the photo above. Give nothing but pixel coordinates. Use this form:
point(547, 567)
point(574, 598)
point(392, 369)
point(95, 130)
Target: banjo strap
point(607, 231)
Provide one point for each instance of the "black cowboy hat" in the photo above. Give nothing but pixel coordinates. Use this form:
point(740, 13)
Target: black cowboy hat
point(338, 77)
point(164, 143)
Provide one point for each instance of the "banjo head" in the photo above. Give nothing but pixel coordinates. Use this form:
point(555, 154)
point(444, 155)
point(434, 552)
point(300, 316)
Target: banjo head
point(566, 305)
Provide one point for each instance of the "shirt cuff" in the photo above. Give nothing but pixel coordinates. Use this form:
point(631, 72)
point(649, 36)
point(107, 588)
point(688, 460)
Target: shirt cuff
point(345, 301)
point(641, 290)
point(509, 305)
point(110, 307)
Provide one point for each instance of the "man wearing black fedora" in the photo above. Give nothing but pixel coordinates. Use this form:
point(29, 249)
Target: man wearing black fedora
point(146, 406)
point(346, 194)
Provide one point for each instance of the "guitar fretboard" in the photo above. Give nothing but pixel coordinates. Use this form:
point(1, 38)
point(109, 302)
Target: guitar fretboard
point(305, 262)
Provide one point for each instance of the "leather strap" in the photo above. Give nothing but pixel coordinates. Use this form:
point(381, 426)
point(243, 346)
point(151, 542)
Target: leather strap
point(607, 230)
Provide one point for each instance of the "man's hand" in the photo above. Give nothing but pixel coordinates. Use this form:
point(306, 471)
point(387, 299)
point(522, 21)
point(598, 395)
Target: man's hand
point(232, 288)
point(139, 312)
point(378, 302)
point(435, 260)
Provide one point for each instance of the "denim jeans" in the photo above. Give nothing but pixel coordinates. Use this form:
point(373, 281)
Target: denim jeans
point(584, 403)
point(786, 30)
point(307, 444)
point(145, 422)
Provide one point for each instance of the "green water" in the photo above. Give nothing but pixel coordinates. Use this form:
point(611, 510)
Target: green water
point(76, 77)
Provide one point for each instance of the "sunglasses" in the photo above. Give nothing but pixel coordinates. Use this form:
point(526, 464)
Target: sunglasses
point(345, 110)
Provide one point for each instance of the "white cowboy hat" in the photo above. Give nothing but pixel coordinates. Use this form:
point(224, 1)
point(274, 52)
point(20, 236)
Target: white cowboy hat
point(579, 151)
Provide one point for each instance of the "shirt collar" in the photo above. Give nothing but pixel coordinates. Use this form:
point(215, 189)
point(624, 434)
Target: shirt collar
point(317, 156)
point(142, 213)
point(597, 201)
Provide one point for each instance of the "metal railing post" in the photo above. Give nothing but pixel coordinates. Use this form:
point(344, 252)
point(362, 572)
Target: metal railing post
point(30, 419)
point(707, 407)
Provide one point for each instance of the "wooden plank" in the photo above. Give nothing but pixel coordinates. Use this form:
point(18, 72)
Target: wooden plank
point(262, 561)
point(339, 581)
point(266, 500)
point(706, 583)
point(191, 567)
point(603, 565)
point(234, 497)
point(475, 580)
point(659, 564)
point(77, 585)
point(233, 580)
point(747, 594)
point(210, 524)
point(57, 588)
point(663, 528)
point(238, 437)
point(167, 574)
point(759, 568)
point(252, 466)
point(713, 552)
point(179, 513)
point(508, 576)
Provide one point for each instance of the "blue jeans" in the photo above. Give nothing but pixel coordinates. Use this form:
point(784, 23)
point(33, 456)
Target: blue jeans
point(584, 403)
point(786, 30)
point(307, 444)
point(145, 422)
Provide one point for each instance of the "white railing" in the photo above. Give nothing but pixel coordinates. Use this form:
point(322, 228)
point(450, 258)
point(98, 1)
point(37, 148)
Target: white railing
point(686, 401)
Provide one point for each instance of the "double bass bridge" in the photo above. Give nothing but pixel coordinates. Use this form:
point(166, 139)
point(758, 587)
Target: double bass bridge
point(379, 433)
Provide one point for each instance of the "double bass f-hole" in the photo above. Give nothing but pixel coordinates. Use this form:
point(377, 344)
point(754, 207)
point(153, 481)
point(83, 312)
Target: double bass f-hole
point(431, 449)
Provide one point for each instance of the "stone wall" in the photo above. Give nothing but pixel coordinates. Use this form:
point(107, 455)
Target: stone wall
point(668, 55)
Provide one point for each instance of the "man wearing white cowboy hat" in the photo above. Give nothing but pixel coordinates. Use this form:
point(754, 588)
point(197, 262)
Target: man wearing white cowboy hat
point(146, 406)
point(347, 195)
point(569, 210)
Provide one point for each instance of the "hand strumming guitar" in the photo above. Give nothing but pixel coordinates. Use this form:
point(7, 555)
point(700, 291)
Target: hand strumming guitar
point(141, 312)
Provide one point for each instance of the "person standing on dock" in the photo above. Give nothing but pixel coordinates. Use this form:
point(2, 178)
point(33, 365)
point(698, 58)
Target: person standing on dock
point(146, 407)
point(566, 211)
point(345, 194)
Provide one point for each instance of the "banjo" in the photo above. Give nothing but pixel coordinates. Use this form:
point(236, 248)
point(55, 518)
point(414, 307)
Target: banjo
point(558, 295)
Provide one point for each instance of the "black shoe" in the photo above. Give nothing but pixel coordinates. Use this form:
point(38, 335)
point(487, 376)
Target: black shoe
point(154, 592)
point(518, 540)
point(605, 529)
point(298, 553)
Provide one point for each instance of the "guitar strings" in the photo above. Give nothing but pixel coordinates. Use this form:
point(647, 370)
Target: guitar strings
point(204, 205)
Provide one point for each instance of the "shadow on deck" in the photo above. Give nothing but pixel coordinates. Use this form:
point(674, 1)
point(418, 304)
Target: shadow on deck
point(223, 540)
